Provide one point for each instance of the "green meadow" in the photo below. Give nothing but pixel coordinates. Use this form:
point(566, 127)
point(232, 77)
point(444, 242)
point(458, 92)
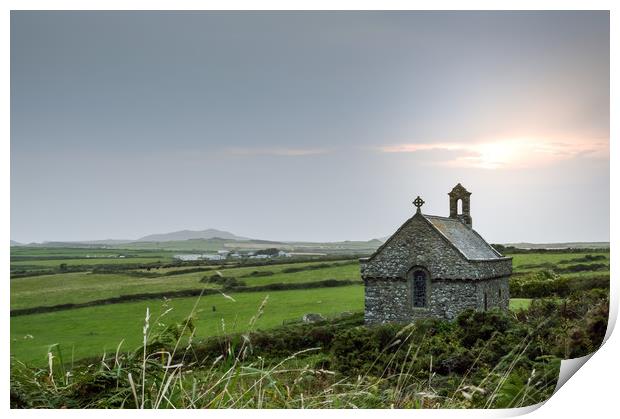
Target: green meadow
point(78, 287)
point(94, 330)
point(91, 331)
point(244, 341)
point(531, 261)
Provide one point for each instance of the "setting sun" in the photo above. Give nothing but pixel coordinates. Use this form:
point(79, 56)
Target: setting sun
point(511, 153)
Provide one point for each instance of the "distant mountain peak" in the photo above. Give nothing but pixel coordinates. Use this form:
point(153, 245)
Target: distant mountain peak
point(210, 233)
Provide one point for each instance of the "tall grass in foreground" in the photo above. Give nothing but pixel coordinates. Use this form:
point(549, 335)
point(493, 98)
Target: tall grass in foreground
point(168, 371)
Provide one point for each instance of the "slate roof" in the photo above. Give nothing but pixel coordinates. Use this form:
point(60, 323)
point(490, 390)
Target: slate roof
point(463, 237)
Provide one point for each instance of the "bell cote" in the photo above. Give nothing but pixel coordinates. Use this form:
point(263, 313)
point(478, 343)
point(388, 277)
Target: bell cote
point(460, 195)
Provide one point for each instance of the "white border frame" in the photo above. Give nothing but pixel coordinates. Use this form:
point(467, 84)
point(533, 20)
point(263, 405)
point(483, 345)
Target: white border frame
point(591, 393)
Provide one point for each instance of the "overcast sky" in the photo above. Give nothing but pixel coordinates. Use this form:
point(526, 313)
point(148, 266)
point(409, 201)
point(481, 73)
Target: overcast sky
point(308, 126)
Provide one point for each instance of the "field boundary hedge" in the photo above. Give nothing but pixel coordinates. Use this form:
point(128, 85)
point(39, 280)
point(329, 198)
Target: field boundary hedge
point(561, 287)
point(194, 292)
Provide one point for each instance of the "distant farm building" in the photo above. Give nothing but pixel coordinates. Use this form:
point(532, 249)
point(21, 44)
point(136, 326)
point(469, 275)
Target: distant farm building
point(213, 257)
point(436, 267)
point(186, 258)
point(260, 257)
point(196, 257)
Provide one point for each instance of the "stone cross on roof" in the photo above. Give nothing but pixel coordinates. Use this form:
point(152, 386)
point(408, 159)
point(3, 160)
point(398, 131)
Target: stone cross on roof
point(418, 202)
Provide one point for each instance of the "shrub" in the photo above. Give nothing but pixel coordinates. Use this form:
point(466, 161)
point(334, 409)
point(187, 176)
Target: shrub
point(532, 286)
point(596, 323)
point(383, 350)
point(481, 325)
point(358, 351)
point(279, 342)
point(256, 274)
point(294, 269)
point(583, 267)
point(227, 282)
point(185, 271)
point(544, 265)
point(586, 258)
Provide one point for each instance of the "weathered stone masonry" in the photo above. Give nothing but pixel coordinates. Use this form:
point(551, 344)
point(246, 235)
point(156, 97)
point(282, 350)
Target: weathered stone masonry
point(434, 267)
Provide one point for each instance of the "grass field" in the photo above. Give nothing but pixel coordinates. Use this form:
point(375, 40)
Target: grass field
point(93, 330)
point(43, 258)
point(525, 261)
point(54, 263)
point(73, 252)
point(79, 287)
point(90, 331)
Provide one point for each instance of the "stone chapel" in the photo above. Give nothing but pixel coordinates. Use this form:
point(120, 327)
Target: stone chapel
point(436, 267)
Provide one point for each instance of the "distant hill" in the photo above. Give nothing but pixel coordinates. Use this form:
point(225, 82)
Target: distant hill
point(14, 243)
point(181, 235)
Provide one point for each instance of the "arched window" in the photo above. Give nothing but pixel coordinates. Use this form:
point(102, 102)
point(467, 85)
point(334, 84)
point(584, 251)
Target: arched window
point(459, 206)
point(419, 289)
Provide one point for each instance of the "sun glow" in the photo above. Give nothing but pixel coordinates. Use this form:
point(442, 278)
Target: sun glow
point(509, 152)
